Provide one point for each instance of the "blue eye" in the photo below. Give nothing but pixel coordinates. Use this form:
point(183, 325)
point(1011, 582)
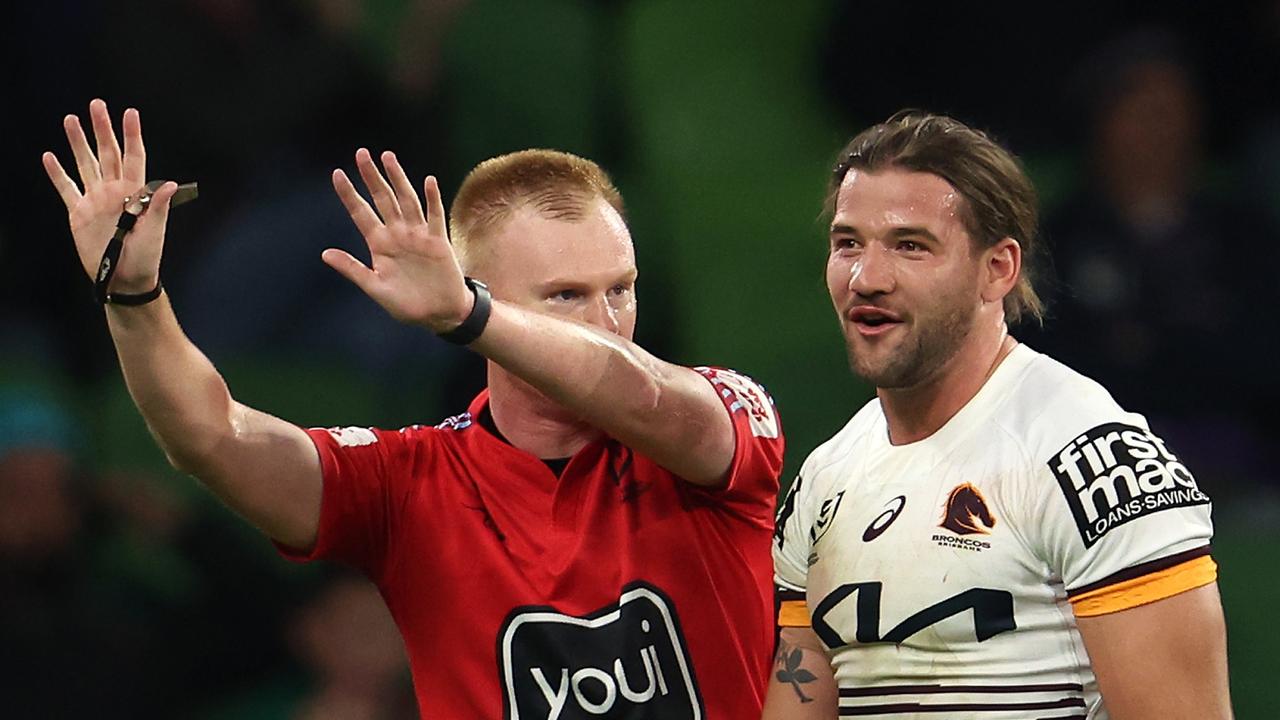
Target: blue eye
point(567, 295)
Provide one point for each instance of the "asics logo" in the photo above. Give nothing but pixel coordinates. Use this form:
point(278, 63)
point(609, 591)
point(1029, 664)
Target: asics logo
point(884, 519)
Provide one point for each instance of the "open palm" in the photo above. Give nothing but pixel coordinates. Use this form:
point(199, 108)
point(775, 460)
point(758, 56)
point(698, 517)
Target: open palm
point(107, 177)
point(413, 273)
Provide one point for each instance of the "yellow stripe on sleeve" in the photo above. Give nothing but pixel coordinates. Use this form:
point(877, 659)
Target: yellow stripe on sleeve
point(793, 613)
point(1146, 589)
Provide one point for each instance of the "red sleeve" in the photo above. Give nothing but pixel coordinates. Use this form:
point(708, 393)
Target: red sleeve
point(758, 442)
point(365, 472)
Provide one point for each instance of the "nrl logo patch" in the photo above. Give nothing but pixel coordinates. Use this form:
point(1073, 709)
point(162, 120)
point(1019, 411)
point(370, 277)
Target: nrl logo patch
point(826, 515)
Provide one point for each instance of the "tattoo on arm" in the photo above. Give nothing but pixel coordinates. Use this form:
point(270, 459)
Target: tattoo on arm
point(788, 661)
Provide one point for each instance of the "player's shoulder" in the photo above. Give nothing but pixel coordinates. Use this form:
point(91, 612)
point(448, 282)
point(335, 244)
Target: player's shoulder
point(1110, 468)
point(1050, 405)
point(733, 379)
point(409, 436)
point(830, 459)
point(451, 425)
point(741, 393)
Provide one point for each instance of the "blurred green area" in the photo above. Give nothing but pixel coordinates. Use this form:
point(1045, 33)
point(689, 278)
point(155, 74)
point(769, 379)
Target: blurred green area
point(738, 150)
point(1246, 551)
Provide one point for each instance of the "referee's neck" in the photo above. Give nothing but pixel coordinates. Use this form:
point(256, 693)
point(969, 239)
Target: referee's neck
point(532, 422)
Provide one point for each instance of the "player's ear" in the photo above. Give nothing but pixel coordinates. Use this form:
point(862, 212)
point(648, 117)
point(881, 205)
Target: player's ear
point(1001, 267)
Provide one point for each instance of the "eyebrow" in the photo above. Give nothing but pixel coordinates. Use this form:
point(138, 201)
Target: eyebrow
point(896, 233)
point(628, 277)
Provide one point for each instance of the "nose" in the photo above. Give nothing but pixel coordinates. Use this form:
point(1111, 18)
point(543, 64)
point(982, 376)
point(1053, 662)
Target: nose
point(873, 272)
point(602, 314)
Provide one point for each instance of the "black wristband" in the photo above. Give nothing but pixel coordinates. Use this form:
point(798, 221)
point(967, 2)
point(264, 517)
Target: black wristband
point(107, 269)
point(111, 256)
point(134, 298)
point(470, 329)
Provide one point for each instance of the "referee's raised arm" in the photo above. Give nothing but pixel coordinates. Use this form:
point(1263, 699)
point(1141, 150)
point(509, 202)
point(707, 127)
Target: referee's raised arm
point(575, 348)
point(266, 469)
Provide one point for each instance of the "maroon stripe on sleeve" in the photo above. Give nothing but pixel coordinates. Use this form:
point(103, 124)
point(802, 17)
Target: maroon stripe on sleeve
point(1145, 568)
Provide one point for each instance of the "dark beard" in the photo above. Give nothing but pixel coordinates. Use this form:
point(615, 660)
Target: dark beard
point(921, 359)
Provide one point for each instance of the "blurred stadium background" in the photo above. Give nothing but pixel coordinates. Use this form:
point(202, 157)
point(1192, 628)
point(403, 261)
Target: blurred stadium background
point(1152, 132)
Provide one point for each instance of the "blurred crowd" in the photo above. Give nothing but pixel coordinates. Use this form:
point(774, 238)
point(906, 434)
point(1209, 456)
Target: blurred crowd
point(126, 591)
point(1156, 294)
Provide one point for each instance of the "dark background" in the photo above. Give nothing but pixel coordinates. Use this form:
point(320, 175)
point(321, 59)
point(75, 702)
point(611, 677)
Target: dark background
point(1152, 133)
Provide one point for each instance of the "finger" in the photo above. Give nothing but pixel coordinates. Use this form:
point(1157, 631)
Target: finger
point(362, 215)
point(406, 198)
point(62, 182)
point(379, 190)
point(158, 208)
point(147, 239)
point(108, 148)
point(135, 154)
point(86, 163)
point(435, 205)
point(351, 269)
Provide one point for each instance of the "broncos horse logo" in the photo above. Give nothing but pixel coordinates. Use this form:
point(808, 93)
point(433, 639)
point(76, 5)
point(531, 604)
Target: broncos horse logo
point(966, 512)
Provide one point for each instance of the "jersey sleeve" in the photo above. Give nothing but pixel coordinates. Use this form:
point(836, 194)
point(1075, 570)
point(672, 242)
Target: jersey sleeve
point(363, 469)
point(1124, 522)
point(758, 442)
point(793, 539)
point(792, 545)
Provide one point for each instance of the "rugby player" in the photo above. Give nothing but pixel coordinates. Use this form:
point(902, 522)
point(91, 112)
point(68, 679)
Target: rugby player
point(591, 537)
point(991, 536)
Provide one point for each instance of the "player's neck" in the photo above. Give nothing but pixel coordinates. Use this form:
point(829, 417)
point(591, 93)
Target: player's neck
point(917, 412)
point(533, 422)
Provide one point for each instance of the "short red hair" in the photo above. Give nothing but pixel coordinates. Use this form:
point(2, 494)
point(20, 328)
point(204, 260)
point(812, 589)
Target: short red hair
point(555, 184)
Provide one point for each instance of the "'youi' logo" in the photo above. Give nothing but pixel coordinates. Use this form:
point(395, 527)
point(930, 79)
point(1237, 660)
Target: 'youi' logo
point(626, 660)
point(1116, 473)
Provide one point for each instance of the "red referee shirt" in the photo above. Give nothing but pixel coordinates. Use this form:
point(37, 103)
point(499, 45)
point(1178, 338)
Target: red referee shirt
point(615, 590)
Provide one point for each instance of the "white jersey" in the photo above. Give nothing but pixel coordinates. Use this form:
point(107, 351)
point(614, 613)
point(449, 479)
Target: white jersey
point(944, 576)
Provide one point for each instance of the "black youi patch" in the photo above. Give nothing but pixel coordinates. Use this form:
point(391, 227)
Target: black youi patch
point(625, 660)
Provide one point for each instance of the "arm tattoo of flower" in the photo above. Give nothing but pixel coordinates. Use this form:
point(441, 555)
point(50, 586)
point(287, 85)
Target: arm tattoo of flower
point(788, 661)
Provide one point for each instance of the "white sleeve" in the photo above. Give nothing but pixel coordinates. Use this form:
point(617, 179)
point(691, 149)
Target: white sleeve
point(792, 537)
point(1118, 504)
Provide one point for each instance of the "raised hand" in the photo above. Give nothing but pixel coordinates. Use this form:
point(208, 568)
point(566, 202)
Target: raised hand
point(107, 178)
point(414, 275)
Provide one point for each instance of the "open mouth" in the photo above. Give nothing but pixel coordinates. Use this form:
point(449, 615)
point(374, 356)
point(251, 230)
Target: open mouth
point(870, 320)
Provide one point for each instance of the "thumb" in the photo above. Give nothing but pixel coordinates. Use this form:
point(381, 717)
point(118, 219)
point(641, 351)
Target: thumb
point(158, 208)
point(140, 257)
point(351, 269)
